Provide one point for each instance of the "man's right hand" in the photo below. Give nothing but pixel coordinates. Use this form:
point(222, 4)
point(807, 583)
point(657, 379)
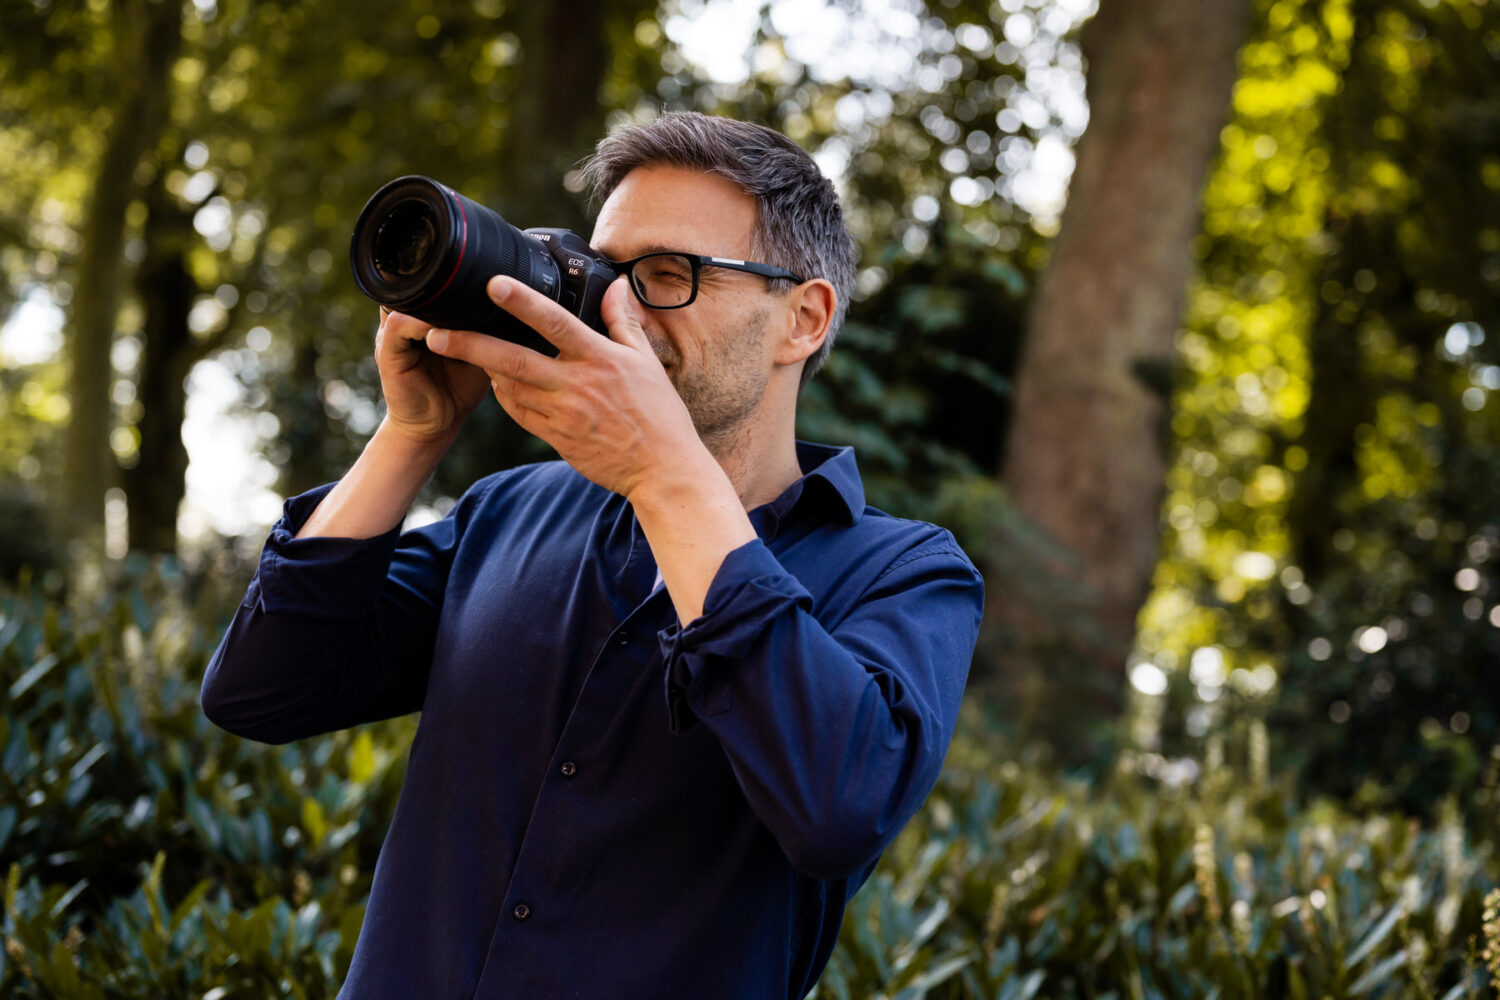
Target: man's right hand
point(427, 396)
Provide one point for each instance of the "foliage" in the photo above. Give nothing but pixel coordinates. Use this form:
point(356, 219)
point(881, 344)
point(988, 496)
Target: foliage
point(919, 360)
point(281, 121)
point(151, 855)
point(1328, 559)
point(1329, 513)
point(1198, 881)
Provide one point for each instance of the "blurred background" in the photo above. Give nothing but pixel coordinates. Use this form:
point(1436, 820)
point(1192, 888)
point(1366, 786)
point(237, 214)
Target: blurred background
point(1184, 315)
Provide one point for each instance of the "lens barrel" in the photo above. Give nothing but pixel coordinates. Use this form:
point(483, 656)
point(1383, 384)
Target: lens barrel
point(423, 249)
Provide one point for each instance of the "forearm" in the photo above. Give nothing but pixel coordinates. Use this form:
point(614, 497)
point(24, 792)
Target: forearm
point(332, 631)
point(376, 492)
point(692, 520)
point(835, 732)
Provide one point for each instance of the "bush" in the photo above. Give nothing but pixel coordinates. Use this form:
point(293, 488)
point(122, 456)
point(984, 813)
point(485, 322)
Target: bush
point(151, 855)
point(1013, 883)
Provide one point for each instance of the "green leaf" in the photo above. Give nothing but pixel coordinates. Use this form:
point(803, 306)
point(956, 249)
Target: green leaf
point(1376, 935)
point(189, 903)
point(939, 972)
point(1023, 987)
point(361, 757)
point(61, 906)
point(1378, 975)
point(314, 821)
point(8, 815)
point(88, 760)
point(39, 670)
point(930, 923)
point(12, 887)
point(1181, 898)
point(152, 894)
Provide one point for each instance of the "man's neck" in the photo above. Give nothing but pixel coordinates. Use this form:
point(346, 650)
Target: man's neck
point(760, 463)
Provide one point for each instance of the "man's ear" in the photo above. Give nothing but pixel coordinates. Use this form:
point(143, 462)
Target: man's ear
point(812, 305)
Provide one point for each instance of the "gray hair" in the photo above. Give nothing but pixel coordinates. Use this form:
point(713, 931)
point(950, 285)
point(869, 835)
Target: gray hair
point(798, 223)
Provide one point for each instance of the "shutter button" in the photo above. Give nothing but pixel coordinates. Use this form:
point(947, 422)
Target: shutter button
point(521, 912)
point(568, 769)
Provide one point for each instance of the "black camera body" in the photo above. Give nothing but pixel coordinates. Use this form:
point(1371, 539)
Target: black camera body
point(423, 249)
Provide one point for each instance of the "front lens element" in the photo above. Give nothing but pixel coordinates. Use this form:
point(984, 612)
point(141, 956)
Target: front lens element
point(405, 241)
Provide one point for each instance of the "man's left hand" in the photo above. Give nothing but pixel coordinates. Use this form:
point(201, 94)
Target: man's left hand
point(605, 404)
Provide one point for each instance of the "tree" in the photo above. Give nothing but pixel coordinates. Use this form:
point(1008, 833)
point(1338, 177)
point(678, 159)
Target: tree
point(237, 155)
point(1085, 458)
point(146, 37)
point(1326, 564)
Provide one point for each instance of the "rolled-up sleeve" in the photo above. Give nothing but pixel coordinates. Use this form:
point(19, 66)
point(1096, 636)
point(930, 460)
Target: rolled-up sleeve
point(836, 734)
point(332, 632)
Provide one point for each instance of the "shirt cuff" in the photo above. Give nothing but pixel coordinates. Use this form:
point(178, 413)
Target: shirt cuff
point(750, 589)
point(336, 578)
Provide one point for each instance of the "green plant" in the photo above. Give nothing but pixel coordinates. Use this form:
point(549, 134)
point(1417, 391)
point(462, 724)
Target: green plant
point(149, 855)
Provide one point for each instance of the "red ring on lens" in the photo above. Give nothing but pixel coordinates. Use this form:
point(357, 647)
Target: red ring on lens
point(462, 244)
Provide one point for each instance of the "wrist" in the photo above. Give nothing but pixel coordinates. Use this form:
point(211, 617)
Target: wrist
point(373, 496)
point(687, 484)
point(403, 443)
point(692, 518)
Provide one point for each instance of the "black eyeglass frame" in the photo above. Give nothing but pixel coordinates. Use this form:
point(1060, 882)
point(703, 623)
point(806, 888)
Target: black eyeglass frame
point(697, 262)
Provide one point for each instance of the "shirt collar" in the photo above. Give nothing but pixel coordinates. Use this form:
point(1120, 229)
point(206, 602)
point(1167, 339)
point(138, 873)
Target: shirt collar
point(830, 480)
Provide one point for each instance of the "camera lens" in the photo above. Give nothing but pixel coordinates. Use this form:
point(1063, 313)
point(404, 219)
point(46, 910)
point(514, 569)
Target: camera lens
point(425, 250)
point(405, 241)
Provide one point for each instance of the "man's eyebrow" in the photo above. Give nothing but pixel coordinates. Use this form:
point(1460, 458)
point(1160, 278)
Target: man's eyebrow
point(649, 248)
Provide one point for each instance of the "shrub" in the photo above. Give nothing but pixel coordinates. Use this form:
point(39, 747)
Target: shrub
point(149, 855)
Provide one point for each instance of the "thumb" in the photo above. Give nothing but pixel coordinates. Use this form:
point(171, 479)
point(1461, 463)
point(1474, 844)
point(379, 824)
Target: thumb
point(619, 310)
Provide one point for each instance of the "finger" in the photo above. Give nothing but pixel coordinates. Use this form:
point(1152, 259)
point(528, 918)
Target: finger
point(399, 338)
point(528, 397)
point(622, 318)
point(402, 327)
point(528, 420)
point(565, 331)
point(513, 361)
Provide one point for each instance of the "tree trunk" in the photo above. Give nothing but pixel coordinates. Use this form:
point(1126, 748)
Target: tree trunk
point(556, 113)
point(1085, 460)
point(155, 485)
point(147, 36)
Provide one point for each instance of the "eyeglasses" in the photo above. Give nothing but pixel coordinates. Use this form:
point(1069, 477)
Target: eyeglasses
point(669, 280)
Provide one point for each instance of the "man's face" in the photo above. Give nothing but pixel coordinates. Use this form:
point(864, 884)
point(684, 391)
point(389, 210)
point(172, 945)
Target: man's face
point(718, 350)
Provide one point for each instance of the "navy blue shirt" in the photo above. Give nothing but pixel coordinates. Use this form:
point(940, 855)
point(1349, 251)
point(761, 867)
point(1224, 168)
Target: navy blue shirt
point(599, 802)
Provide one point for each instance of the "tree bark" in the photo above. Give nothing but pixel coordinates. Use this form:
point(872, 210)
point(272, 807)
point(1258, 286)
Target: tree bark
point(147, 36)
point(155, 485)
point(556, 113)
point(1085, 459)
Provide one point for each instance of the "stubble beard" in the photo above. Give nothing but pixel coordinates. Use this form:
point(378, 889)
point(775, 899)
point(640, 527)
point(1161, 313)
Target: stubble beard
point(722, 394)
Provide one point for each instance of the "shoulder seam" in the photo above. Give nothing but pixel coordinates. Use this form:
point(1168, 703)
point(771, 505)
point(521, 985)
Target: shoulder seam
point(942, 544)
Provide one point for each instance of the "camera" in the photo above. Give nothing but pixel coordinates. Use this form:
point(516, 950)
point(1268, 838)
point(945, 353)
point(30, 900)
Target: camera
point(423, 249)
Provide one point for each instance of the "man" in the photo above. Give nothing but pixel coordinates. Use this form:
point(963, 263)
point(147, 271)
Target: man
point(679, 690)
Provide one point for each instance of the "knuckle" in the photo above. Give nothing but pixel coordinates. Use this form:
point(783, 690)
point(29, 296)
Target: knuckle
point(513, 365)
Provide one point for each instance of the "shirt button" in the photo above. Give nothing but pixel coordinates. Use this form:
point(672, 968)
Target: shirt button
point(623, 639)
point(521, 912)
point(568, 769)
